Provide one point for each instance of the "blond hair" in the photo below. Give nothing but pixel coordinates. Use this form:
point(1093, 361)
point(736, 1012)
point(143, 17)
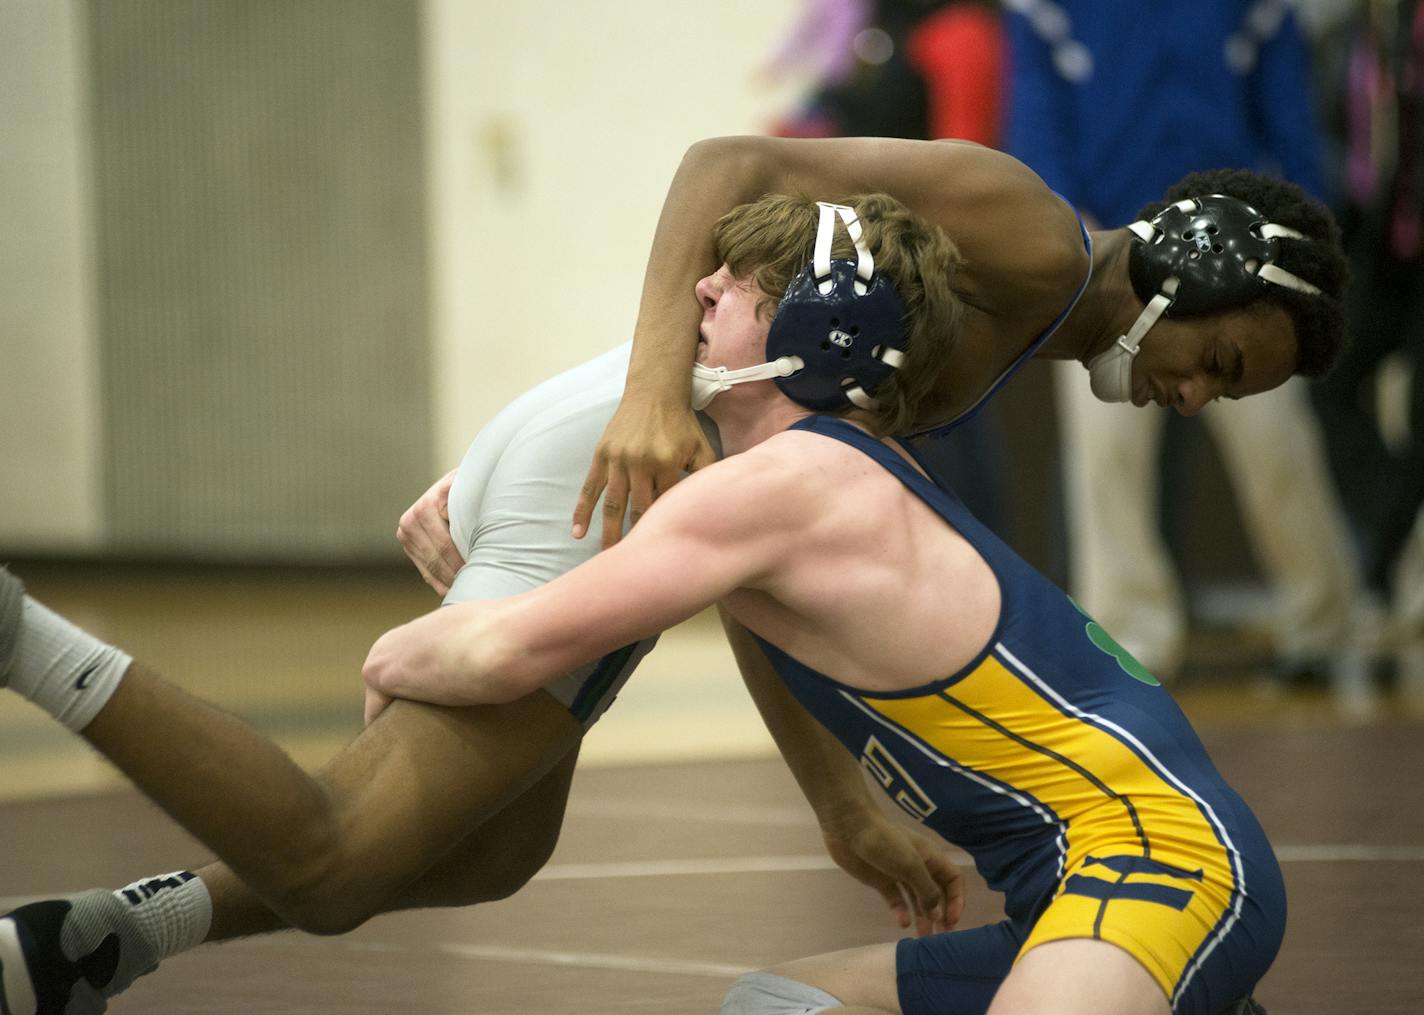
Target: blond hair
point(769, 242)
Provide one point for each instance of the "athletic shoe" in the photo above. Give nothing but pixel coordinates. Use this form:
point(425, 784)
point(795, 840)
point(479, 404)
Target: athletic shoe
point(67, 956)
point(12, 605)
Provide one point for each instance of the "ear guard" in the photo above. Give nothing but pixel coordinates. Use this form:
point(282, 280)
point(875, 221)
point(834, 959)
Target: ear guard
point(842, 321)
point(1220, 249)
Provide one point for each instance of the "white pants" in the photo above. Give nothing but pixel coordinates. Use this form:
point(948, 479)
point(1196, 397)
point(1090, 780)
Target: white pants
point(512, 504)
point(1271, 447)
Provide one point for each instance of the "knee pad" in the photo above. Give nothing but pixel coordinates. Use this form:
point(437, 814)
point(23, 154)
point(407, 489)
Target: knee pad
point(765, 993)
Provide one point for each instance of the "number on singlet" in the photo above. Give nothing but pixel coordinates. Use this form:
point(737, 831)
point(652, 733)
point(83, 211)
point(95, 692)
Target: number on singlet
point(896, 781)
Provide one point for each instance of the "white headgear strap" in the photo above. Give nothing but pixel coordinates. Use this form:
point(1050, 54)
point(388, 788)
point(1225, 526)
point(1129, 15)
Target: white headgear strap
point(709, 382)
point(825, 235)
point(1110, 372)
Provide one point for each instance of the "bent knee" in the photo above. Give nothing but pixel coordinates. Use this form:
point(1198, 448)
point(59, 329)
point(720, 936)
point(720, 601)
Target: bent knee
point(328, 892)
point(502, 885)
point(323, 908)
point(492, 875)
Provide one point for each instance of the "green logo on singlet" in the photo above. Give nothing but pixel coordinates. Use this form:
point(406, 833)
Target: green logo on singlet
point(1104, 643)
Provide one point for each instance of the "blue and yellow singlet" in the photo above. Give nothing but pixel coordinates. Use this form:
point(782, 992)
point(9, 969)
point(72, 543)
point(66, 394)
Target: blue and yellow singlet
point(1073, 780)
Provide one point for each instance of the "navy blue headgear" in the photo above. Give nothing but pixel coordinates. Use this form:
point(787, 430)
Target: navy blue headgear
point(842, 321)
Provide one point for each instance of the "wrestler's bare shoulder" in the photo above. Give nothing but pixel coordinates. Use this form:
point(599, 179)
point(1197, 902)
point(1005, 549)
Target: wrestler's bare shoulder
point(788, 475)
point(803, 475)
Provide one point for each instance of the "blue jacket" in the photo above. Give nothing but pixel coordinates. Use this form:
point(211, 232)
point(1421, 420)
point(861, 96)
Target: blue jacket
point(1113, 101)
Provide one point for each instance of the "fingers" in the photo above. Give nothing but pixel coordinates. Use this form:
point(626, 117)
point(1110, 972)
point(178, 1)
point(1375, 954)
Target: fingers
point(589, 493)
point(642, 488)
point(411, 538)
point(427, 543)
point(894, 897)
point(952, 883)
point(629, 491)
point(444, 561)
point(922, 909)
point(615, 501)
point(442, 493)
point(424, 535)
point(702, 457)
point(903, 879)
point(629, 477)
point(949, 884)
point(930, 888)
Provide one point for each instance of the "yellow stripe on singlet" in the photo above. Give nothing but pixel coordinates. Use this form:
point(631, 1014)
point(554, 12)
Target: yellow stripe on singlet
point(1114, 803)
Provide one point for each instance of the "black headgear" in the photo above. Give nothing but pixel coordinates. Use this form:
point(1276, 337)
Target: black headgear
point(1221, 251)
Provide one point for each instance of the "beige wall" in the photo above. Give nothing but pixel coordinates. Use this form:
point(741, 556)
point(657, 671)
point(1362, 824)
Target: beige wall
point(552, 130)
point(49, 468)
point(555, 127)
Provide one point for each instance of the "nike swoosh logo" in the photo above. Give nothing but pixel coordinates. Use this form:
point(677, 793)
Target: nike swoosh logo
point(83, 680)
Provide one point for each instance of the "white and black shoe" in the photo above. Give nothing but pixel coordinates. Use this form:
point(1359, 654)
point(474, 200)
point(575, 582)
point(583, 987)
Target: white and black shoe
point(68, 956)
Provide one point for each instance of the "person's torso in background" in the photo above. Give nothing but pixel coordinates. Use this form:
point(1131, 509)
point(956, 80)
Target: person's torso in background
point(1138, 95)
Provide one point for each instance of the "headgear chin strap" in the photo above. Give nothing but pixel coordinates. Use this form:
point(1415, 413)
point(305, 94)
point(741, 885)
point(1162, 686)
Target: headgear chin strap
point(1198, 256)
point(837, 335)
point(1110, 372)
point(709, 382)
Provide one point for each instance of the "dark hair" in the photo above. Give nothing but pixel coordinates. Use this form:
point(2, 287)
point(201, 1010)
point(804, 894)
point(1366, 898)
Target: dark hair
point(1319, 320)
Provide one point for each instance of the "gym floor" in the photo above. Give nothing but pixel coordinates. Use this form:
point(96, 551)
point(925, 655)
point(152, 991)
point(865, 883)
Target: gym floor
point(688, 855)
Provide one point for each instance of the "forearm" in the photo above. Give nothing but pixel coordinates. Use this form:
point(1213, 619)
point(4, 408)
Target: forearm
point(706, 538)
point(458, 655)
point(828, 775)
point(714, 177)
point(912, 873)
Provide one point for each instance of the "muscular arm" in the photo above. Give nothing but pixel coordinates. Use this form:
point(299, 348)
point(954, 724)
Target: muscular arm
point(710, 536)
point(828, 776)
point(911, 871)
point(1024, 255)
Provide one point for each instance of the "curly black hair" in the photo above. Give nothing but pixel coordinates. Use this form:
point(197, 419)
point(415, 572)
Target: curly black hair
point(1320, 259)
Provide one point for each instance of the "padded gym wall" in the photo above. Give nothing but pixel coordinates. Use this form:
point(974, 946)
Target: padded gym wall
point(261, 276)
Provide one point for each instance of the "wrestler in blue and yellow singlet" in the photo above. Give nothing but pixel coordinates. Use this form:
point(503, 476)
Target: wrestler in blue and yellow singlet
point(1074, 781)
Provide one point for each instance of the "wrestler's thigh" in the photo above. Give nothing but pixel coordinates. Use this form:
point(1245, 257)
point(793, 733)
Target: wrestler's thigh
point(1079, 976)
point(421, 778)
point(500, 856)
point(857, 977)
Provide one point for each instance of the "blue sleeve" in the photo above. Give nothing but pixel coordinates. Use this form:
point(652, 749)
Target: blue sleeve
point(1035, 128)
point(1284, 107)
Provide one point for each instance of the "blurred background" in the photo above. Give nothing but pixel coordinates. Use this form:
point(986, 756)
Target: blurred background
point(266, 266)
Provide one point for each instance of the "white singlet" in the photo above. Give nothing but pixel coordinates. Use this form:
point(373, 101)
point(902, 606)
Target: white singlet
point(512, 504)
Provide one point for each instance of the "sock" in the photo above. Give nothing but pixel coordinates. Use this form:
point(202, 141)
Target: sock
point(70, 954)
point(63, 669)
point(173, 911)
